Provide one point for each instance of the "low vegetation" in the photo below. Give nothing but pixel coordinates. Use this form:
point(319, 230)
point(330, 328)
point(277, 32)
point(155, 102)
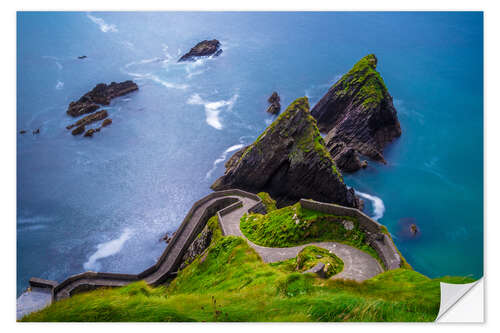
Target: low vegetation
point(229, 282)
point(269, 202)
point(308, 258)
point(364, 81)
point(295, 225)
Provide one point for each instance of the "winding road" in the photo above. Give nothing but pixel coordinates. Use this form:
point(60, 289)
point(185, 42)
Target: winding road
point(358, 265)
point(230, 206)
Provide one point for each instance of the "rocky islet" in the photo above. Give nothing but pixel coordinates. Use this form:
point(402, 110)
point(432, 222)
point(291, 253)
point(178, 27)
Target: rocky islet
point(358, 115)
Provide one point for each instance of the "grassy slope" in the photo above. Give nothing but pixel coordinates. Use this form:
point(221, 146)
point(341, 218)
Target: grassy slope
point(294, 225)
point(233, 284)
point(229, 282)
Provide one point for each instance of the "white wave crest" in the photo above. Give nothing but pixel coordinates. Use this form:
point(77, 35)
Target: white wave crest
point(377, 204)
point(213, 109)
point(59, 85)
point(222, 158)
point(105, 27)
point(157, 79)
point(107, 249)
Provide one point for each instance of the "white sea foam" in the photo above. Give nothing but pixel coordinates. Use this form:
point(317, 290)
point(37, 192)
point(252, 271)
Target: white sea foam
point(166, 83)
point(128, 44)
point(105, 27)
point(107, 249)
point(222, 158)
point(159, 80)
point(377, 204)
point(59, 85)
point(213, 109)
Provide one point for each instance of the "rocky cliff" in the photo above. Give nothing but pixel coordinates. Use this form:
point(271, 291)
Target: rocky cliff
point(358, 114)
point(289, 161)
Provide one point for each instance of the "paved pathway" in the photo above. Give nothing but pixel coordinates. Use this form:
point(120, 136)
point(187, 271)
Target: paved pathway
point(358, 265)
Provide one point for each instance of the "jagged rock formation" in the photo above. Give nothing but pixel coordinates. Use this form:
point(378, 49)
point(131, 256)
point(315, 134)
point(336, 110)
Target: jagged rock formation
point(90, 132)
point(102, 94)
point(202, 49)
point(89, 119)
point(358, 114)
point(289, 161)
point(197, 247)
point(275, 106)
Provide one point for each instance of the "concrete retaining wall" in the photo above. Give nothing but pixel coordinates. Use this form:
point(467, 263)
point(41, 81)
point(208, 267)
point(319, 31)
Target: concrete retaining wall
point(189, 229)
point(379, 241)
point(90, 280)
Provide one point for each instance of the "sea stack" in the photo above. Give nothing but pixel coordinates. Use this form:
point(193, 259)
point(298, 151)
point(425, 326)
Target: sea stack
point(358, 116)
point(289, 161)
point(275, 106)
point(203, 49)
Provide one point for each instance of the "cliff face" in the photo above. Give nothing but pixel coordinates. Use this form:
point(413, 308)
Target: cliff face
point(289, 161)
point(358, 114)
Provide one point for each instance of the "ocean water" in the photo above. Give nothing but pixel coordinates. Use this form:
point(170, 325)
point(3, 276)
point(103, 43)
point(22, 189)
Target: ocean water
point(103, 203)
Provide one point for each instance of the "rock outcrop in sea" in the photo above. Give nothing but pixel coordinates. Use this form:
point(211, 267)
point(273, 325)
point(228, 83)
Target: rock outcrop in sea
point(358, 116)
point(275, 106)
point(102, 94)
point(203, 49)
point(100, 115)
point(290, 162)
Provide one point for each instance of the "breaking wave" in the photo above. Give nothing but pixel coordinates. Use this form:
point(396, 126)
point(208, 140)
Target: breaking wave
point(377, 205)
point(105, 27)
point(222, 158)
point(213, 109)
point(107, 249)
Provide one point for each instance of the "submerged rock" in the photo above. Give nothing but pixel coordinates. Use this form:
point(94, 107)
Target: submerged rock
point(413, 229)
point(91, 132)
point(79, 130)
point(275, 106)
point(89, 119)
point(289, 161)
point(102, 94)
point(358, 114)
point(203, 49)
point(106, 122)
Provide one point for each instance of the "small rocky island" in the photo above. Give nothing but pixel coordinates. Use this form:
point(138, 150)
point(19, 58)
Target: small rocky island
point(290, 162)
point(202, 49)
point(102, 94)
point(358, 116)
point(275, 106)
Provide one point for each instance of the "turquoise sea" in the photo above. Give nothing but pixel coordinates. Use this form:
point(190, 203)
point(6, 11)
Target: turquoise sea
point(103, 204)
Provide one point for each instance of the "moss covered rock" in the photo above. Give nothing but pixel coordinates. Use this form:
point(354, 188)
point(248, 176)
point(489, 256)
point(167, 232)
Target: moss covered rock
point(358, 114)
point(289, 161)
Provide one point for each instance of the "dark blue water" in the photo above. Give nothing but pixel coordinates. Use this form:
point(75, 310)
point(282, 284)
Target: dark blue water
point(103, 203)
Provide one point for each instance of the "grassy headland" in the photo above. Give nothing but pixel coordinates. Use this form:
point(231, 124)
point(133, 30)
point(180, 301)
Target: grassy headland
point(229, 282)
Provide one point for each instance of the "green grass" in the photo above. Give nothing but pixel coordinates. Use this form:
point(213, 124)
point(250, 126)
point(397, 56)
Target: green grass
point(365, 82)
point(309, 140)
point(308, 258)
point(231, 283)
point(294, 225)
point(269, 202)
